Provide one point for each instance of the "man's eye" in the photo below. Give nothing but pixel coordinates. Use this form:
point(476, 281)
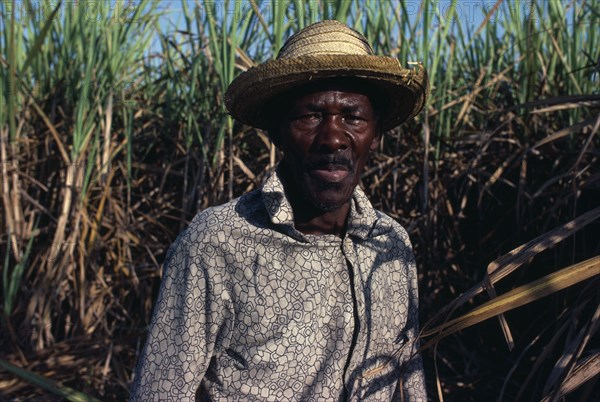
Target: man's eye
point(309, 117)
point(353, 119)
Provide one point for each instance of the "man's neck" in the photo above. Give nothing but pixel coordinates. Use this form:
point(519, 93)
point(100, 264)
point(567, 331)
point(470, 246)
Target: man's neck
point(321, 223)
point(309, 219)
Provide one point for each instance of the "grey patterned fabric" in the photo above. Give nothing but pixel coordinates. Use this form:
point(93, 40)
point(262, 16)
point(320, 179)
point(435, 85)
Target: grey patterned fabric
point(252, 309)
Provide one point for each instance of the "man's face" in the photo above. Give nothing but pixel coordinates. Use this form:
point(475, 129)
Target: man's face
point(326, 136)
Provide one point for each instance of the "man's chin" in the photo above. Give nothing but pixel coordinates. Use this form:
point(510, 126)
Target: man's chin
point(328, 196)
point(329, 207)
point(329, 201)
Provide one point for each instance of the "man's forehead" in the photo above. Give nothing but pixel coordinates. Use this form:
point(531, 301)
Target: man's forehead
point(281, 104)
point(348, 85)
point(368, 95)
point(326, 96)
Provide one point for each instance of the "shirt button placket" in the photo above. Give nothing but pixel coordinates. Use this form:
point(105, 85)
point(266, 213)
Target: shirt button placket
point(353, 263)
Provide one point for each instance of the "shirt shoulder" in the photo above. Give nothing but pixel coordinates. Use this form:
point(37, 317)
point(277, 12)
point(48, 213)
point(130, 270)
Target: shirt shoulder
point(387, 226)
point(213, 223)
point(210, 242)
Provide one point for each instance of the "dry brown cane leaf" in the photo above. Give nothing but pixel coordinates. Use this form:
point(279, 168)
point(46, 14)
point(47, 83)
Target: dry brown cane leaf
point(517, 297)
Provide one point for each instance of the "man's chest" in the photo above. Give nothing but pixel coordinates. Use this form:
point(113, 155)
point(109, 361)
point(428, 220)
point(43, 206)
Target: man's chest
point(313, 293)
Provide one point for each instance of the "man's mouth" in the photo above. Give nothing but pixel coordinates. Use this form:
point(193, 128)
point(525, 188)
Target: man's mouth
point(332, 170)
point(332, 174)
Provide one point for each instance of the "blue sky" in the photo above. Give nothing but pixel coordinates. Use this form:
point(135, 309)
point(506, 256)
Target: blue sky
point(470, 14)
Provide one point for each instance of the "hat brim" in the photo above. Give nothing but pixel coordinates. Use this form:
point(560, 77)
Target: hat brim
point(405, 89)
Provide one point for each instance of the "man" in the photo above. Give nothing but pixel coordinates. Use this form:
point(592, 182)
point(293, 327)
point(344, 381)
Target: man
point(299, 290)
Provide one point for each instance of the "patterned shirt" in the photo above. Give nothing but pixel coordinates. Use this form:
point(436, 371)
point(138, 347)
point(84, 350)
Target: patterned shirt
point(252, 309)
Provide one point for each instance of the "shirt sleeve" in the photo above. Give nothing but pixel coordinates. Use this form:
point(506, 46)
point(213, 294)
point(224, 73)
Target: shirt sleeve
point(189, 319)
point(413, 380)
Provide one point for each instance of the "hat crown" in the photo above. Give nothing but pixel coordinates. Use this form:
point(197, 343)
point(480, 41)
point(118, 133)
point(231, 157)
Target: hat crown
point(327, 37)
point(327, 49)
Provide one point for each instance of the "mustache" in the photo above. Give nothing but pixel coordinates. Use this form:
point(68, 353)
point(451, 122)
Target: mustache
point(329, 162)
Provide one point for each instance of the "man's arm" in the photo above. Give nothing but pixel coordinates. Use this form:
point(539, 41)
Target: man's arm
point(188, 315)
point(413, 381)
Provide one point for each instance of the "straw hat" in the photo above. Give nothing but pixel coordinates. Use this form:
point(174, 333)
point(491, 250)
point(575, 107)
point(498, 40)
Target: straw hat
point(324, 50)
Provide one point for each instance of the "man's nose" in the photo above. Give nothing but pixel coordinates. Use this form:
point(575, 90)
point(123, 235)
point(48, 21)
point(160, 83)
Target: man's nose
point(332, 136)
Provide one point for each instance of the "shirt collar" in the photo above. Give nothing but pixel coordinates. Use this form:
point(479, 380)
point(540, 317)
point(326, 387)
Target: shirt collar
point(361, 221)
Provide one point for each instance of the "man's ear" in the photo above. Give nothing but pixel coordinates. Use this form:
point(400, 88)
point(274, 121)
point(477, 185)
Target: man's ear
point(376, 139)
point(274, 110)
point(274, 136)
